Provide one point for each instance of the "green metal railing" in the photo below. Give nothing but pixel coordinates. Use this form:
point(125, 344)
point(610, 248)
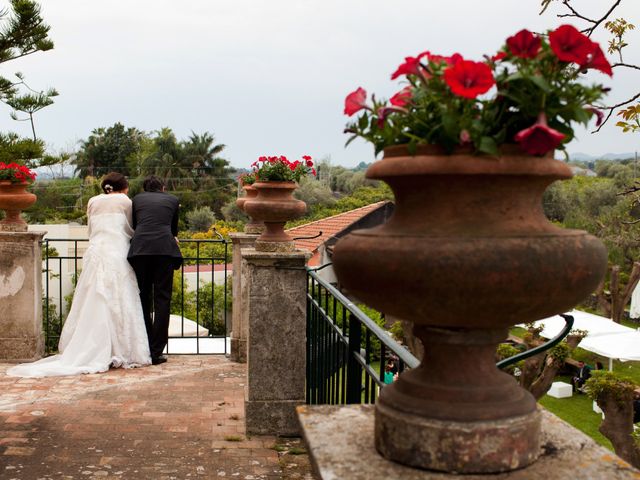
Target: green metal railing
point(207, 306)
point(346, 350)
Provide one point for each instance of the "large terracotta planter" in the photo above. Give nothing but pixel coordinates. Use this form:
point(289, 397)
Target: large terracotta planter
point(254, 227)
point(13, 199)
point(275, 206)
point(467, 253)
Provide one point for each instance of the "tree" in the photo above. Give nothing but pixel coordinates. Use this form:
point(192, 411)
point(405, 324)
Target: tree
point(108, 149)
point(614, 396)
point(23, 32)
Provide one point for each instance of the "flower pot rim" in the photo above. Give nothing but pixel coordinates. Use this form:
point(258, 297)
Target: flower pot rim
point(432, 160)
point(9, 182)
point(276, 184)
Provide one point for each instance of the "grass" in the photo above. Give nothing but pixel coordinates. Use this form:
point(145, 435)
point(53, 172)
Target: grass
point(577, 410)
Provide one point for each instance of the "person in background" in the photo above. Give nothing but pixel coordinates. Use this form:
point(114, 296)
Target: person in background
point(584, 373)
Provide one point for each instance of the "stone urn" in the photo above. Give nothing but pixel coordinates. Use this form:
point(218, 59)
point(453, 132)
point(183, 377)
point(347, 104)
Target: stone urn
point(253, 227)
point(14, 198)
point(275, 206)
point(467, 253)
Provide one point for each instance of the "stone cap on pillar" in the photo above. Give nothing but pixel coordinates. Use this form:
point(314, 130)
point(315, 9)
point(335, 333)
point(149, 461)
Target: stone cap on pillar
point(341, 445)
point(277, 259)
point(9, 236)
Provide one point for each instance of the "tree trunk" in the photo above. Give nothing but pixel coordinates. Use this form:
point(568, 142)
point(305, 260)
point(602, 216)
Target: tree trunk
point(614, 307)
point(413, 342)
point(617, 426)
point(530, 370)
point(542, 384)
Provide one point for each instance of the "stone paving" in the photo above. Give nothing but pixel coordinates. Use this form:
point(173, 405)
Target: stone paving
point(180, 420)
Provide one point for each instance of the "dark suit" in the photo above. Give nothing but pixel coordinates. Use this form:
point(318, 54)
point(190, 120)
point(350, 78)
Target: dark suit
point(154, 255)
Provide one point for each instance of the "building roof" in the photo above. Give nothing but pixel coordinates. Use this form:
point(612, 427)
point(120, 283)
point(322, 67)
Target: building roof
point(329, 227)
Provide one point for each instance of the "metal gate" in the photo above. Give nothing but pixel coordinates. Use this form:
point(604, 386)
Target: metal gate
point(200, 304)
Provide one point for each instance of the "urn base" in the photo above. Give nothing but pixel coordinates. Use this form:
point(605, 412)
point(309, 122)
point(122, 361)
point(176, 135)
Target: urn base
point(457, 447)
point(279, 246)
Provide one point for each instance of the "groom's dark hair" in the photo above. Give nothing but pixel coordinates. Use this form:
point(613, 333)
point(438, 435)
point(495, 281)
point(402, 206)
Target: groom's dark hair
point(153, 184)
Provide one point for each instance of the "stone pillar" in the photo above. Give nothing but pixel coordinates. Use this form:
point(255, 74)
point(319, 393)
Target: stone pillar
point(239, 312)
point(276, 353)
point(21, 337)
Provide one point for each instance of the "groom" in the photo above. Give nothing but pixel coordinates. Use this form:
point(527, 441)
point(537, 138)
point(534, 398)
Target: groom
point(154, 255)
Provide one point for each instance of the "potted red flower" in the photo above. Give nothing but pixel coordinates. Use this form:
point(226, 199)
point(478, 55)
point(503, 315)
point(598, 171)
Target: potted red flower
point(14, 180)
point(275, 181)
point(468, 152)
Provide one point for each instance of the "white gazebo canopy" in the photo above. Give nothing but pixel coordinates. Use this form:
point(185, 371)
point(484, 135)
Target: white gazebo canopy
point(604, 336)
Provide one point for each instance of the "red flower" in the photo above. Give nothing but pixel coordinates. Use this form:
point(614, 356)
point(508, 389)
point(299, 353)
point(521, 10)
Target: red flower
point(411, 66)
point(355, 101)
point(524, 44)
point(402, 98)
point(469, 79)
point(598, 113)
point(597, 60)
point(570, 45)
point(498, 56)
point(539, 139)
point(452, 60)
point(309, 162)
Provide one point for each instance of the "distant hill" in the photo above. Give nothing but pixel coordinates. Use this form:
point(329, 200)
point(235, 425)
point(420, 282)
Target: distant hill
point(584, 157)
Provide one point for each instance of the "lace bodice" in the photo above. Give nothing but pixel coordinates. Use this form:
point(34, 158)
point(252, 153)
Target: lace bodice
point(110, 220)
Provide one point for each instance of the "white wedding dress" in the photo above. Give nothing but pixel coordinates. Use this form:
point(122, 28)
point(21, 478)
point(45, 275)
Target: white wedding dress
point(105, 326)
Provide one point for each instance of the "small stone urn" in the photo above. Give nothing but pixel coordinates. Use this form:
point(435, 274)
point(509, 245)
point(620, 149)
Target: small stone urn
point(14, 198)
point(275, 206)
point(467, 253)
point(253, 227)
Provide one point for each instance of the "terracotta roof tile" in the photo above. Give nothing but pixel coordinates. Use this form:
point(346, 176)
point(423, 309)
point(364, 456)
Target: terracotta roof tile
point(329, 226)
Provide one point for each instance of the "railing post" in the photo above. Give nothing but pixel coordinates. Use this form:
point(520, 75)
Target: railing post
point(354, 369)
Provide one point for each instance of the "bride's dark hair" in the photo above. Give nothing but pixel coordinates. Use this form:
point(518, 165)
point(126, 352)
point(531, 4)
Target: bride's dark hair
point(114, 182)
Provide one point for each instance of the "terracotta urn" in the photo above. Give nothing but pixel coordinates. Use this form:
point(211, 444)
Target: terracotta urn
point(254, 227)
point(275, 206)
point(467, 253)
point(14, 198)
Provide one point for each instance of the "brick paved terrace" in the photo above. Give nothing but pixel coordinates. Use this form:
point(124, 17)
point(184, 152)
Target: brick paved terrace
point(183, 419)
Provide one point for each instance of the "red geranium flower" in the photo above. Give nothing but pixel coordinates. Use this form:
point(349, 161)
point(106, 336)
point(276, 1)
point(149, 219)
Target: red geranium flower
point(524, 44)
point(498, 56)
point(570, 45)
point(411, 66)
point(469, 79)
point(355, 101)
point(402, 98)
point(539, 139)
point(597, 60)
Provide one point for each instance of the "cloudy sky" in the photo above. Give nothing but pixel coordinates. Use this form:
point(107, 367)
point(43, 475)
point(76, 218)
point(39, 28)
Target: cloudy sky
point(266, 77)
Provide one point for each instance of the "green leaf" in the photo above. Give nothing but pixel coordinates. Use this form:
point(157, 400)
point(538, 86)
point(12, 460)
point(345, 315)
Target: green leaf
point(541, 83)
point(363, 122)
point(488, 145)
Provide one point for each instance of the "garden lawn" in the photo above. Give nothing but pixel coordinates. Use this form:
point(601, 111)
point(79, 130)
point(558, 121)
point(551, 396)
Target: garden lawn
point(577, 411)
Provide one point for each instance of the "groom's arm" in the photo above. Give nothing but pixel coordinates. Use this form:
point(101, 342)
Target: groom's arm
point(174, 220)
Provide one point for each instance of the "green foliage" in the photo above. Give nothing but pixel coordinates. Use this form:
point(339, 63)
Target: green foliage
point(560, 352)
point(610, 385)
point(23, 32)
point(314, 193)
point(108, 149)
point(208, 250)
point(51, 324)
point(200, 219)
point(13, 148)
point(207, 306)
point(360, 198)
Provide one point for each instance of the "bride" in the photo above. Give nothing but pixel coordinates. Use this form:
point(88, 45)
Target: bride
point(105, 327)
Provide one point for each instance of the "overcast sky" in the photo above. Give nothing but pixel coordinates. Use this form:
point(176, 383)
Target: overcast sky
point(267, 77)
